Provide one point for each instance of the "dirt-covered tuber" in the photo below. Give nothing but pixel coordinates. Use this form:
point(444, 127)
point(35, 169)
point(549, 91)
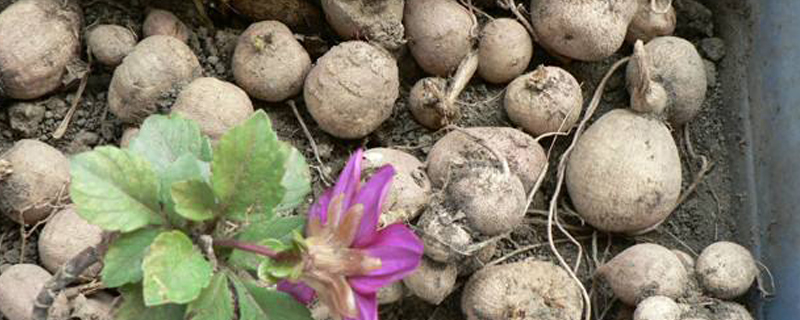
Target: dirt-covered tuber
point(109, 43)
point(726, 270)
point(492, 200)
point(654, 18)
point(658, 308)
point(433, 102)
point(162, 22)
point(642, 271)
point(352, 88)
point(39, 39)
point(505, 50)
point(432, 281)
point(379, 21)
point(215, 105)
point(439, 34)
point(64, 236)
point(411, 188)
point(157, 65)
point(269, 63)
point(19, 286)
point(548, 99)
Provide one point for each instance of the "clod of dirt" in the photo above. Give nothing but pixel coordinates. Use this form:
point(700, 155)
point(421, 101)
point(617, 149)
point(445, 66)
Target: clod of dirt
point(64, 236)
point(432, 281)
point(269, 63)
point(694, 19)
point(109, 43)
point(711, 73)
point(40, 176)
point(548, 99)
point(25, 117)
point(492, 200)
point(391, 293)
point(726, 269)
point(156, 65)
point(529, 290)
point(505, 50)
point(39, 39)
point(379, 21)
point(162, 22)
point(712, 48)
point(19, 286)
point(411, 188)
point(352, 89)
point(215, 105)
point(643, 271)
point(526, 158)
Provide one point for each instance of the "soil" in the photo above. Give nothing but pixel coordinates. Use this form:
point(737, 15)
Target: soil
point(705, 217)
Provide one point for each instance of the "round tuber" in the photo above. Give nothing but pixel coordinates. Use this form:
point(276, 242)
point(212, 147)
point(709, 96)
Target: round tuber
point(379, 21)
point(391, 293)
point(667, 74)
point(215, 105)
point(110, 43)
point(643, 271)
point(586, 30)
point(269, 63)
point(38, 40)
point(549, 99)
point(654, 18)
point(522, 290)
point(526, 158)
point(64, 236)
point(432, 281)
point(657, 308)
point(444, 238)
point(439, 34)
point(505, 50)
point(432, 104)
point(156, 65)
point(300, 15)
point(352, 88)
point(492, 200)
point(411, 188)
point(164, 23)
point(726, 270)
point(19, 286)
point(39, 177)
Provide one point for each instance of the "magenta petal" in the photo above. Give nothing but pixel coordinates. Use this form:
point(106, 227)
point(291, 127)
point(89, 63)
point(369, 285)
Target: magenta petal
point(400, 251)
point(367, 306)
point(320, 207)
point(372, 196)
point(349, 179)
point(299, 291)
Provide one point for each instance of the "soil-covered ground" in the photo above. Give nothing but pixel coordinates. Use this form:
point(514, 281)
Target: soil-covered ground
point(706, 215)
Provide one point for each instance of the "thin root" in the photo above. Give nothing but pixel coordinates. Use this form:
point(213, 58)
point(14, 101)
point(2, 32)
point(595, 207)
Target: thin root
point(314, 148)
point(765, 293)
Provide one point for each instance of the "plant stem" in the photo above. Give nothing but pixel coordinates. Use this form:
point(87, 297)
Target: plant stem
point(244, 246)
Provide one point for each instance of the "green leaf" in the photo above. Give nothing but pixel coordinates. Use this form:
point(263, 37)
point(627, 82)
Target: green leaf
point(123, 261)
point(174, 270)
point(164, 139)
point(257, 303)
point(296, 181)
point(278, 228)
point(115, 189)
point(248, 168)
point(194, 200)
point(187, 167)
point(133, 307)
point(215, 303)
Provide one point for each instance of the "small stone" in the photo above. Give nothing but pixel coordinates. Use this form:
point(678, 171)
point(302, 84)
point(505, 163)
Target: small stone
point(711, 72)
point(26, 117)
point(712, 48)
point(213, 59)
point(48, 114)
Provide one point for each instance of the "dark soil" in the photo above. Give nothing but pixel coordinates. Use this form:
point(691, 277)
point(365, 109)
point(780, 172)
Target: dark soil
point(705, 217)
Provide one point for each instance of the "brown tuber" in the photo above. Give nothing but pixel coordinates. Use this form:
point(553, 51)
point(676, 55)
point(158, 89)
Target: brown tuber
point(548, 99)
point(439, 33)
point(522, 290)
point(40, 175)
point(269, 63)
point(215, 105)
point(654, 18)
point(110, 43)
point(411, 188)
point(433, 104)
point(726, 270)
point(39, 39)
point(352, 88)
point(64, 236)
point(667, 75)
point(162, 22)
point(643, 271)
point(379, 21)
point(19, 286)
point(432, 281)
point(505, 50)
point(586, 30)
point(156, 65)
point(300, 15)
point(492, 200)
point(658, 308)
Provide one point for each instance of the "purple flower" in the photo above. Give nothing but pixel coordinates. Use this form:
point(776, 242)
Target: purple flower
point(348, 259)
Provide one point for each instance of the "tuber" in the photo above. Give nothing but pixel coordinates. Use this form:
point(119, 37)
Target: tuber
point(439, 34)
point(654, 18)
point(642, 271)
point(64, 236)
point(109, 43)
point(162, 22)
point(411, 188)
point(215, 105)
point(505, 50)
point(549, 99)
point(726, 270)
point(379, 21)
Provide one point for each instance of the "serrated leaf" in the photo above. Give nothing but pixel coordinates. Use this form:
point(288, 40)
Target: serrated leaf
point(278, 228)
point(115, 189)
point(257, 303)
point(164, 139)
point(215, 303)
point(122, 263)
point(133, 307)
point(248, 166)
point(296, 181)
point(174, 270)
point(187, 167)
point(194, 200)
